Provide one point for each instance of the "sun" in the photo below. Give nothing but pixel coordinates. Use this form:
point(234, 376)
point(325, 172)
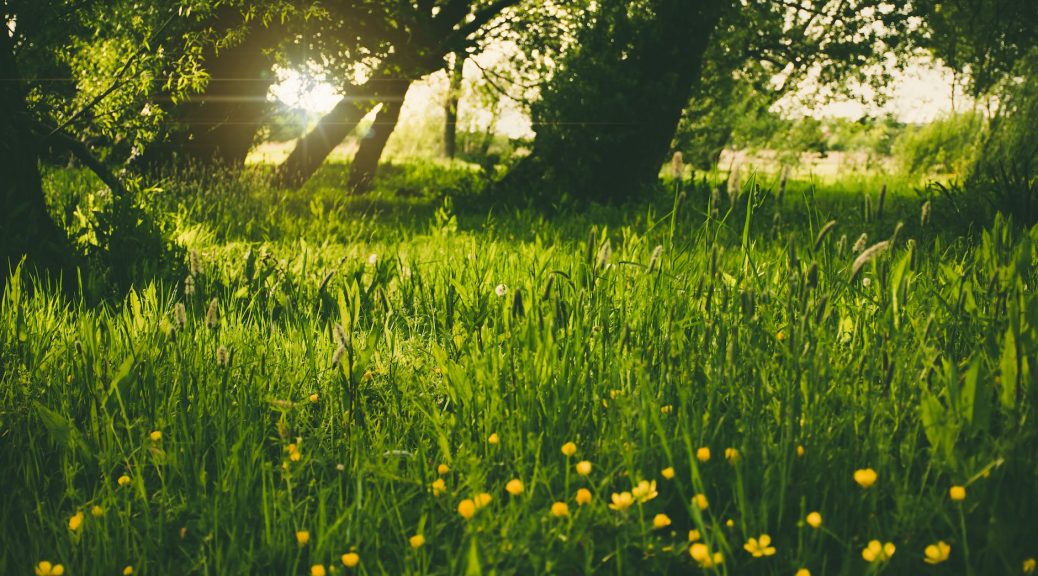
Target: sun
point(309, 92)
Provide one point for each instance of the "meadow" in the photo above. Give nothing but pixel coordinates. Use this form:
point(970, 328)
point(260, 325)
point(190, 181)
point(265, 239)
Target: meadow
point(428, 381)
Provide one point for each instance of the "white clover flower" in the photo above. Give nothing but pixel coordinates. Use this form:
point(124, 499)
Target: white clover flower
point(373, 259)
point(501, 290)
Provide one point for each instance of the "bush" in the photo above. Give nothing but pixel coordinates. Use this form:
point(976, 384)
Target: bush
point(944, 146)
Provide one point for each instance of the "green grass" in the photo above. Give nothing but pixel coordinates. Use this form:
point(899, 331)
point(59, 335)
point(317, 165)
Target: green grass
point(745, 333)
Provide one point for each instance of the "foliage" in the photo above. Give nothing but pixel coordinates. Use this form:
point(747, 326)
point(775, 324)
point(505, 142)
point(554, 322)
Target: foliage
point(944, 146)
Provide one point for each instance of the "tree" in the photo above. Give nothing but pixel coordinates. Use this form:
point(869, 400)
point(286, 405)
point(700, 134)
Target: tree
point(404, 41)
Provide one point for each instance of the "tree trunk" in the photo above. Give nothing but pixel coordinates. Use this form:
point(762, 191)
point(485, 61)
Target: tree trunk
point(607, 119)
point(365, 162)
point(312, 149)
point(26, 228)
point(450, 127)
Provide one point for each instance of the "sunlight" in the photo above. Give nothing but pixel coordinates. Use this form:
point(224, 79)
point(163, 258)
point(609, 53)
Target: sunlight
point(303, 90)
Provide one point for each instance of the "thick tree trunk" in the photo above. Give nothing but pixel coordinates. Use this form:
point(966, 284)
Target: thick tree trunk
point(219, 126)
point(365, 162)
point(312, 149)
point(450, 127)
point(607, 120)
point(26, 228)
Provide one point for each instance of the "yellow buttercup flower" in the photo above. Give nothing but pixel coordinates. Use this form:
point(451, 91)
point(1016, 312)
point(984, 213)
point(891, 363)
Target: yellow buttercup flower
point(493, 439)
point(442, 469)
point(644, 491)
point(800, 451)
point(780, 336)
point(293, 453)
point(694, 536)
point(583, 467)
point(417, 541)
point(667, 473)
point(731, 455)
point(482, 499)
point(302, 537)
point(514, 487)
point(703, 454)
point(814, 519)
point(128, 571)
point(701, 554)
point(957, 493)
point(97, 511)
point(865, 477)
point(667, 408)
point(438, 486)
point(1029, 565)
point(660, 521)
point(569, 448)
point(761, 546)
point(937, 552)
point(559, 509)
point(621, 501)
point(803, 572)
point(155, 436)
point(583, 496)
point(314, 398)
point(701, 501)
point(467, 508)
point(318, 570)
point(729, 523)
point(350, 559)
point(877, 551)
point(123, 480)
point(45, 568)
point(75, 521)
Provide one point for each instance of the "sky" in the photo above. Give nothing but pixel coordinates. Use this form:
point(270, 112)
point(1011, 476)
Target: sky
point(919, 94)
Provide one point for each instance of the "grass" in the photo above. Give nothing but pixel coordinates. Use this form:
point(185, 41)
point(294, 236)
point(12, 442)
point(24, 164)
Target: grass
point(335, 353)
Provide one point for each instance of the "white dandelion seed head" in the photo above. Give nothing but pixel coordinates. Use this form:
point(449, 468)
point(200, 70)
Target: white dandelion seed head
point(501, 290)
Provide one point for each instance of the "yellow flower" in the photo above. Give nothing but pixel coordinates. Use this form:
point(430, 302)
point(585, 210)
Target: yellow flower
point(957, 493)
point(694, 536)
point(155, 436)
point(467, 508)
point(803, 572)
point(780, 335)
point(583, 467)
point(700, 501)
point(729, 523)
point(703, 454)
point(583, 496)
point(293, 453)
point(45, 568)
point(350, 559)
point(621, 501)
point(865, 477)
point(559, 509)
point(569, 448)
point(667, 473)
point(800, 451)
point(644, 491)
point(123, 480)
point(75, 521)
point(442, 469)
point(876, 551)
point(482, 499)
point(317, 570)
point(493, 439)
point(127, 571)
point(936, 553)
point(302, 537)
point(97, 511)
point(814, 519)
point(514, 487)
point(417, 541)
point(314, 398)
point(667, 409)
point(760, 546)
point(438, 486)
point(660, 521)
point(1029, 565)
point(701, 554)
point(731, 455)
